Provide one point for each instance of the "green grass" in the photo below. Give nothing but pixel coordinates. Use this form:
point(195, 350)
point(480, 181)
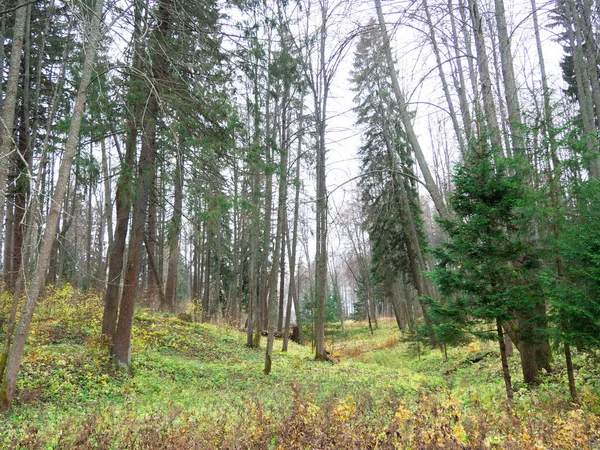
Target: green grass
point(199, 386)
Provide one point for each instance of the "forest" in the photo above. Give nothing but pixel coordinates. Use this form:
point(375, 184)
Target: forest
point(293, 224)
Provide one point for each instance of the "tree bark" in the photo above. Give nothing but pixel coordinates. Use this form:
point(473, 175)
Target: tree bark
point(279, 247)
point(445, 88)
point(171, 284)
point(293, 244)
point(116, 251)
point(505, 368)
point(10, 99)
point(122, 345)
point(486, 81)
point(570, 375)
point(121, 349)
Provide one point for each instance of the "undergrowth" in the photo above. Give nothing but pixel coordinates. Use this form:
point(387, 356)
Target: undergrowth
point(196, 386)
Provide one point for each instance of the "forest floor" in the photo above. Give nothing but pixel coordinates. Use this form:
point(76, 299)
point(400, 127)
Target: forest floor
point(197, 386)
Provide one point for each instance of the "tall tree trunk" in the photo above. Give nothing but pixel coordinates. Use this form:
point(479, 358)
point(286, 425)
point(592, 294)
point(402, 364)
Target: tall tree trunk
point(254, 321)
point(2, 57)
point(170, 290)
point(9, 375)
point(122, 340)
point(153, 284)
point(116, 250)
point(293, 243)
point(320, 102)
point(445, 88)
point(461, 86)
point(486, 80)
point(279, 244)
point(10, 98)
point(583, 89)
point(122, 343)
point(16, 202)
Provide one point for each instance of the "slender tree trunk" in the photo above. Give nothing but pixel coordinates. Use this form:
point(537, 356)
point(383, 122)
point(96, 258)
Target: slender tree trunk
point(9, 376)
point(293, 244)
point(583, 89)
point(572, 387)
point(445, 88)
point(170, 290)
point(10, 99)
point(16, 202)
point(461, 86)
point(279, 248)
point(505, 368)
point(89, 237)
point(486, 81)
point(320, 95)
point(253, 341)
point(153, 284)
point(2, 57)
point(281, 308)
point(206, 282)
point(510, 84)
point(108, 210)
point(122, 340)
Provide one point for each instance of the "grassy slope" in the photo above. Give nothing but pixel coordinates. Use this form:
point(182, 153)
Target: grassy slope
point(198, 386)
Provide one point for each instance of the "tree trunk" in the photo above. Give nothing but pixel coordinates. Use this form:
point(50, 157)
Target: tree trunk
point(122, 341)
point(583, 89)
point(445, 88)
point(170, 290)
point(505, 368)
point(293, 244)
point(152, 296)
point(461, 86)
point(572, 387)
point(279, 248)
point(10, 98)
point(9, 378)
point(116, 251)
point(320, 102)
point(486, 81)
point(122, 345)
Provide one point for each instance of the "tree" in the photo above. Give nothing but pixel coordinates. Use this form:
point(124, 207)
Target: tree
point(391, 208)
point(486, 269)
point(10, 99)
point(9, 373)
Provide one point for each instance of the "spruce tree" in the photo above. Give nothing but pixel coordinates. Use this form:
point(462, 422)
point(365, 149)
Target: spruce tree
point(486, 269)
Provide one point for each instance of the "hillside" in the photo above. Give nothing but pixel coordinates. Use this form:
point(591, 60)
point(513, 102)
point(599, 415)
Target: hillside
point(198, 386)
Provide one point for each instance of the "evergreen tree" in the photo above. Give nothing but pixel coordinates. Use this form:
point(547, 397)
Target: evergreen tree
point(388, 188)
point(486, 269)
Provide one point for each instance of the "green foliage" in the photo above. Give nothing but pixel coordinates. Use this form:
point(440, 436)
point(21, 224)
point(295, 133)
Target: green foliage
point(389, 194)
point(485, 269)
point(575, 297)
point(309, 310)
point(198, 386)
